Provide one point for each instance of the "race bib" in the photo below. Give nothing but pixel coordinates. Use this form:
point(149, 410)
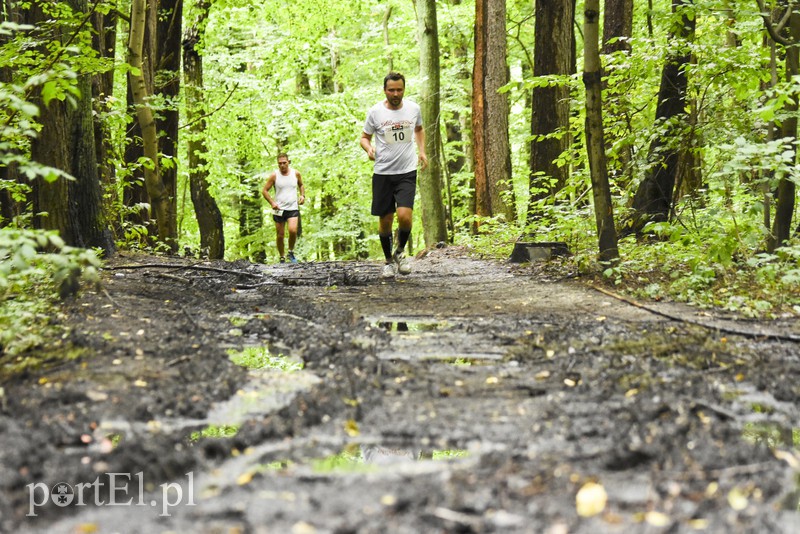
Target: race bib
point(398, 133)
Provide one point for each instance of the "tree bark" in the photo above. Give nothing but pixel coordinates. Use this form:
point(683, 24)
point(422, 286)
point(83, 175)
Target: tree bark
point(430, 183)
point(387, 14)
point(209, 217)
point(104, 41)
point(134, 191)
point(156, 191)
point(617, 26)
point(617, 30)
point(169, 27)
point(553, 55)
point(66, 142)
point(10, 207)
point(784, 206)
point(494, 194)
point(595, 143)
point(653, 198)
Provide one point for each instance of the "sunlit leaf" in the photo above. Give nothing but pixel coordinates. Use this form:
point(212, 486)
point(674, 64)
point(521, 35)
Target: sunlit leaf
point(657, 519)
point(591, 499)
point(737, 499)
point(351, 428)
point(245, 478)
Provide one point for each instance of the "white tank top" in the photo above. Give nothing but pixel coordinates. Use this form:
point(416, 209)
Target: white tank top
point(286, 190)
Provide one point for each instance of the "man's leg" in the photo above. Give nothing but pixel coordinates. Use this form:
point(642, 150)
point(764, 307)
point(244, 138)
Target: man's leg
point(292, 223)
point(279, 227)
point(404, 219)
point(385, 234)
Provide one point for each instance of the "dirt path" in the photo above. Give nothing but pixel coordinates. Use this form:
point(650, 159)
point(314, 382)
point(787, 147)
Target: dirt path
point(470, 396)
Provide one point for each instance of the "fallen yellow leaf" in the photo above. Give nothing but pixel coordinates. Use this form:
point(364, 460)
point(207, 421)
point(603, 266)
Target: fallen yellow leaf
point(737, 499)
point(591, 499)
point(657, 519)
point(351, 427)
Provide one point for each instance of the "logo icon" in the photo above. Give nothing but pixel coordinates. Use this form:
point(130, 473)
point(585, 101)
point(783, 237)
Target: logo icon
point(62, 494)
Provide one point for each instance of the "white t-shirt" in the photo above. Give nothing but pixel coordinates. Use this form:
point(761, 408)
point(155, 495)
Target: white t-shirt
point(286, 190)
point(394, 136)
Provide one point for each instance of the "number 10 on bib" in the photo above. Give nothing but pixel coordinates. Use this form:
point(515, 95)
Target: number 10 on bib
point(398, 133)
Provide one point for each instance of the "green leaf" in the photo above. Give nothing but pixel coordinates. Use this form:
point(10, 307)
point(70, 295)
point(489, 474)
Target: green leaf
point(50, 92)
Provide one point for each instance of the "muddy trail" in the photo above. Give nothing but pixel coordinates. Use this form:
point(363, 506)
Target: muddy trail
point(469, 396)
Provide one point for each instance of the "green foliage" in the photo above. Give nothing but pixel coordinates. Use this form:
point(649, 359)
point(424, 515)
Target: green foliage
point(36, 268)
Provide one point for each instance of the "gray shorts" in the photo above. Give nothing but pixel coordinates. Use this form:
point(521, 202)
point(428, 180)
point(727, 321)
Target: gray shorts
point(392, 191)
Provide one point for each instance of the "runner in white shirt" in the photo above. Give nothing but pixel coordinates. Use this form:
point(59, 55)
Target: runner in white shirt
point(396, 125)
point(286, 204)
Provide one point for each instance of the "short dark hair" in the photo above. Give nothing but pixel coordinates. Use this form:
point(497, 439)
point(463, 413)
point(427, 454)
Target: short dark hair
point(394, 76)
point(282, 155)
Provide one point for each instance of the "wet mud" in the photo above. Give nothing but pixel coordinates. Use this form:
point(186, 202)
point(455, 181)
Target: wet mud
point(469, 396)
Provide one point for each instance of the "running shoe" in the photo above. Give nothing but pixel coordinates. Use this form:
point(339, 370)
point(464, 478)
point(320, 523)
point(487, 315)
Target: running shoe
point(389, 270)
point(402, 262)
point(291, 257)
point(283, 260)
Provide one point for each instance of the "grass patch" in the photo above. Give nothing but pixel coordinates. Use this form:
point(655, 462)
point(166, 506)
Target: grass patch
point(262, 358)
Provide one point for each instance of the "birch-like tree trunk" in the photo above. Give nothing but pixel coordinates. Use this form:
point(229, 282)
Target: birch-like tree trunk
point(595, 143)
point(157, 193)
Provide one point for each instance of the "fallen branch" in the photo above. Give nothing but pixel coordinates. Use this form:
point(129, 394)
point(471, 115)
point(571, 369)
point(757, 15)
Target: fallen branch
point(724, 329)
point(174, 266)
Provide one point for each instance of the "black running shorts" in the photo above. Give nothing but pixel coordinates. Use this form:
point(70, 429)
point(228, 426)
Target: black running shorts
point(285, 215)
point(392, 191)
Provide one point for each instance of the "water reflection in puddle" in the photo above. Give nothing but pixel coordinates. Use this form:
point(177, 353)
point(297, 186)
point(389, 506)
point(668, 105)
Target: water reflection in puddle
point(260, 357)
point(358, 458)
point(778, 438)
point(772, 435)
point(411, 326)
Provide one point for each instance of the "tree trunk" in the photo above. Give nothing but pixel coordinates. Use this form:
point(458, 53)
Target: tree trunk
point(169, 27)
point(156, 191)
point(10, 207)
point(430, 183)
point(387, 14)
point(617, 26)
point(595, 144)
point(104, 41)
point(784, 206)
point(494, 194)
point(134, 193)
point(653, 198)
point(553, 55)
point(66, 142)
point(617, 30)
point(251, 215)
point(209, 217)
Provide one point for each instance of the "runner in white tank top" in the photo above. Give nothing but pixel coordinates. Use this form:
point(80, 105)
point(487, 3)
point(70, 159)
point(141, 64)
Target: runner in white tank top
point(286, 203)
